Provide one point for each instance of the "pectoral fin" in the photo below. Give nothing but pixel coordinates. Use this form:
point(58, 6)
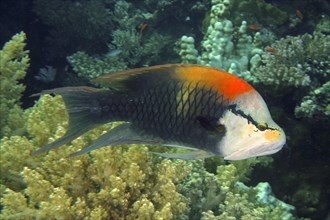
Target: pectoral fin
point(192, 155)
point(122, 134)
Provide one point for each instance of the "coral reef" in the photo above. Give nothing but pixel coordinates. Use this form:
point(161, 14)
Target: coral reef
point(136, 48)
point(14, 62)
point(224, 46)
point(229, 198)
point(291, 62)
point(111, 183)
point(316, 103)
point(261, 11)
point(91, 67)
point(123, 182)
point(300, 62)
point(285, 65)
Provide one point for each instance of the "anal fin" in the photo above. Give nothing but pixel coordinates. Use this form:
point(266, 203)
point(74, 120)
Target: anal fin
point(122, 134)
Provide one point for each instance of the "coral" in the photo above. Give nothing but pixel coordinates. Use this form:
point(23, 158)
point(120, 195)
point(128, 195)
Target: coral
point(224, 46)
point(293, 61)
point(285, 65)
point(316, 103)
point(225, 194)
point(14, 62)
point(299, 62)
point(188, 53)
point(46, 74)
point(241, 202)
point(260, 11)
point(244, 203)
point(323, 26)
point(110, 183)
point(91, 67)
point(136, 48)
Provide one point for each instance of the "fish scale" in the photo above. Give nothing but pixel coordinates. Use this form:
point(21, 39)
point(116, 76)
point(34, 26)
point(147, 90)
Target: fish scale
point(173, 116)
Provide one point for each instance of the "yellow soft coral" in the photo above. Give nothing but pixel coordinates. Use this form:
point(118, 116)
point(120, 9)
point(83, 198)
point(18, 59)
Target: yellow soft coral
point(121, 182)
point(14, 61)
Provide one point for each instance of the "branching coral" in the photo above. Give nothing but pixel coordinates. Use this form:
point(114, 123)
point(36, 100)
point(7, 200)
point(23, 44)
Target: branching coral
point(285, 66)
point(299, 62)
point(228, 197)
point(225, 46)
point(91, 67)
point(14, 62)
point(316, 103)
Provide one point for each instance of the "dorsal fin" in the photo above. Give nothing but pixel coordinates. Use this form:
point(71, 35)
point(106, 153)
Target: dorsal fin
point(135, 79)
point(122, 75)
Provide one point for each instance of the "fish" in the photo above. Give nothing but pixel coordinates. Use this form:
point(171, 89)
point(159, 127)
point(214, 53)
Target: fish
point(271, 50)
point(299, 14)
point(142, 27)
point(208, 111)
point(254, 27)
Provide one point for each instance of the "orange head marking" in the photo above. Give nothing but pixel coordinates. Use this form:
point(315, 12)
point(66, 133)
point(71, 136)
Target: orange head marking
point(225, 83)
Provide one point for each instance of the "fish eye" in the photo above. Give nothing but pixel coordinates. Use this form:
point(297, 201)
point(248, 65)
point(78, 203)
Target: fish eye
point(262, 126)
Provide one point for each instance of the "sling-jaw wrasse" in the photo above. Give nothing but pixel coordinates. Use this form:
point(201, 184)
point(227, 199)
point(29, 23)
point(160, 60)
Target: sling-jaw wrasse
point(209, 111)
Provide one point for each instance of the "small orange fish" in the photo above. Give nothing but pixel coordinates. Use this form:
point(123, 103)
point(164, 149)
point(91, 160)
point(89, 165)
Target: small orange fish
point(206, 110)
point(143, 27)
point(270, 50)
point(299, 14)
point(254, 27)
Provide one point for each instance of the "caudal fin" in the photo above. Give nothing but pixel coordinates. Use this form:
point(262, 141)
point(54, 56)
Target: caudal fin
point(82, 104)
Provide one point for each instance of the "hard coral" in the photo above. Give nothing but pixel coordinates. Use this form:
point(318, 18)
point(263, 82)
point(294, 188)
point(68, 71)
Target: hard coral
point(225, 45)
point(300, 62)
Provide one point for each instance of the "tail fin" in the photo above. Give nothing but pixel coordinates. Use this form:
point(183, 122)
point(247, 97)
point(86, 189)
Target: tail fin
point(82, 106)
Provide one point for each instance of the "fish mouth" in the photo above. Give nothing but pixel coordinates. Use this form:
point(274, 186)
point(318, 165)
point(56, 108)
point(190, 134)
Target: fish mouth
point(256, 151)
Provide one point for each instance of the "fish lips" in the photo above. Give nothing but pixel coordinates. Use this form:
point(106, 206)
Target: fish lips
point(258, 150)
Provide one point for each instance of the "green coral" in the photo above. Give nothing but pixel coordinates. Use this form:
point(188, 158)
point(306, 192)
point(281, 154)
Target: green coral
point(295, 61)
point(286, 66)
point(225, 45)
point(261, 11)
point(135, 48)
point(14, 62)
point(91, 67)
point(301, 62)
point(225, 194)
point(316, 103)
